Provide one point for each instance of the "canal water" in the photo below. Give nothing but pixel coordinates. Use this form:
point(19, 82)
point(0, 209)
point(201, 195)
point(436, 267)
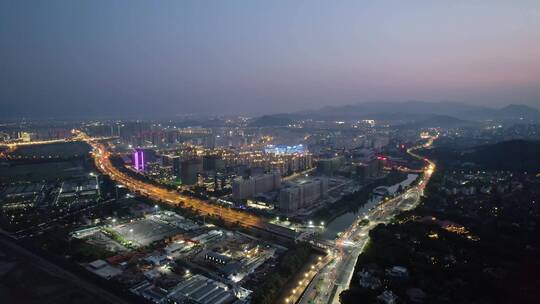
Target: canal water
point(344, 221)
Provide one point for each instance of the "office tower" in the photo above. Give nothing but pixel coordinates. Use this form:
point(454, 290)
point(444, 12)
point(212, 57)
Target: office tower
point(189, 171)
point(139, 161)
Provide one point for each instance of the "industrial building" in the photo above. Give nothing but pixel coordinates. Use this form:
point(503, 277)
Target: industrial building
point(200, 289)
point(78, 192)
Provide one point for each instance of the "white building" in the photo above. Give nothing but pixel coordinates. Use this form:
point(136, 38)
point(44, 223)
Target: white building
point(248, 187)
point(302, 195)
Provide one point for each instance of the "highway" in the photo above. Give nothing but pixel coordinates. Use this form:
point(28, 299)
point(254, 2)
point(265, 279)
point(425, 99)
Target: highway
point(329, 277)
point(335, 276)
point(13, 145)
point(102, 156)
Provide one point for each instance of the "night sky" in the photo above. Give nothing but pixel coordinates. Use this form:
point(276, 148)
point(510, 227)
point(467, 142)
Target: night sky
point(155, 58)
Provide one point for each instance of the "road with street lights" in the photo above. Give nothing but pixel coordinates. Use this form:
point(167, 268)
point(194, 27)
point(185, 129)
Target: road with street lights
point(325, 281)
point(333, 277)
point(102, 157)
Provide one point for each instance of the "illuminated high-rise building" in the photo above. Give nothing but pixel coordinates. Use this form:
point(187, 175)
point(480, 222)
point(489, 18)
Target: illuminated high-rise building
point(173, 161)
point(138, 159)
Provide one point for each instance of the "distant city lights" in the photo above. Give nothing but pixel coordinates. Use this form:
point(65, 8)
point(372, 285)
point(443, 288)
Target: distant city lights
point(284, 149)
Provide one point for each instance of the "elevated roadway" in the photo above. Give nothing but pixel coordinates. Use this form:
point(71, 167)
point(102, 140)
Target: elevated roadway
point(102, 158)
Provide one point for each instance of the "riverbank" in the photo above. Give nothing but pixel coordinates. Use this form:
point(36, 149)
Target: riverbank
point(344, 221)
point(354, 201)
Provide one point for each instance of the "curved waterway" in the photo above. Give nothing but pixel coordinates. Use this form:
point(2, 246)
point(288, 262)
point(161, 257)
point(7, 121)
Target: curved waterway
point(344, 221)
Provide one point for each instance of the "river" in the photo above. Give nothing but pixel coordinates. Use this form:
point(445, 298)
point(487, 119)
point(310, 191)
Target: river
point(344, 221)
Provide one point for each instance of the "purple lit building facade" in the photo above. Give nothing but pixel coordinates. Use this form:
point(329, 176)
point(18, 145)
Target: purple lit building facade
point(138, 159)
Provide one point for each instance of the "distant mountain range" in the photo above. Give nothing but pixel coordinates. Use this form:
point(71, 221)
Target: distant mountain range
point(420, 108)
point(411, 112)
point(272, 120)
point(442, 121)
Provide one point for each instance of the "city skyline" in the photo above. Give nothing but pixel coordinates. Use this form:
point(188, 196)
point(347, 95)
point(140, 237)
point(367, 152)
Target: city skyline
point(269, 152)
point(139, 59)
